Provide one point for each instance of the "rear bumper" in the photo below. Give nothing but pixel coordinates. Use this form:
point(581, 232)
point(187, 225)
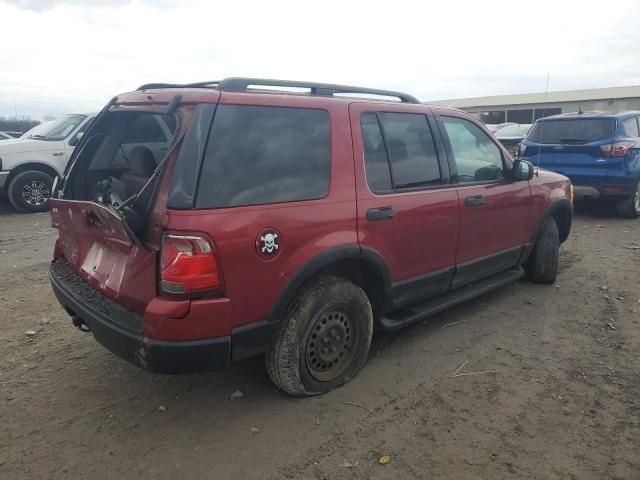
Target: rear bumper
point(603, 191)
point(120, 330)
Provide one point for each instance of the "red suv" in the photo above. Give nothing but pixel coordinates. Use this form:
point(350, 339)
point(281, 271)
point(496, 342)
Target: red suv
point(201, 224)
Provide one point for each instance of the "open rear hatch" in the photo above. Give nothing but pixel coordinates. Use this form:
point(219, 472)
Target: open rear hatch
point(103, 208)
point(99, 246)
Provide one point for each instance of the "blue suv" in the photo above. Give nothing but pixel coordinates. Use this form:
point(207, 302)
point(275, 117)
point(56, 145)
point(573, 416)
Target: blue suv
point(599, 152)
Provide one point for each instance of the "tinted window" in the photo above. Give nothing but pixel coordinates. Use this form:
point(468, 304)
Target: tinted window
point(146, 129)
point(493, 117)
point(477, 158)
point(411, 150)
point(571, 131)
point(520, 116)
point(375, 155)
point(257, 155)
point(119, 133)
point(631, 127)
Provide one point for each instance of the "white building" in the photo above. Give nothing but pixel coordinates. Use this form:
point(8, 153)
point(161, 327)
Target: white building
point(526, 108)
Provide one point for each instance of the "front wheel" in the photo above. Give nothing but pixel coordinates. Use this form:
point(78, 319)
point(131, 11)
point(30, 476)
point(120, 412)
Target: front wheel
point(324, 341)
point(30, 191)
point(542, 264)
point(630, 206)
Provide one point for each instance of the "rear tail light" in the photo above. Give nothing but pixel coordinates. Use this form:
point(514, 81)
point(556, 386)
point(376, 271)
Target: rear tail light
point(188, 266)
point(521, 150)
point(618, 149)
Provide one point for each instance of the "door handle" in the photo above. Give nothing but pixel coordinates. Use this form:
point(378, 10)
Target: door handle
point(382, 213)
point(474, 201)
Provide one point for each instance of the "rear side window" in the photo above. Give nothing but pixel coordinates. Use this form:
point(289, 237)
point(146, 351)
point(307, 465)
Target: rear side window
point(257, 155)
point(631, 127)
point(399, 151)
point(572, 131)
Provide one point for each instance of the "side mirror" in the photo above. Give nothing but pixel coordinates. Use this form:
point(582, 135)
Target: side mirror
point(522, 170)
point(74, 141)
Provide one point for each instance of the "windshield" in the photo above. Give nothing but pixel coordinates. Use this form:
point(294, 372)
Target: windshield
point(514, 130)
point(572, 131)
point(58, 129)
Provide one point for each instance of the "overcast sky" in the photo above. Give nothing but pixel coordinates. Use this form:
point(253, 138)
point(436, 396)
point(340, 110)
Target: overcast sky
point(62, 56)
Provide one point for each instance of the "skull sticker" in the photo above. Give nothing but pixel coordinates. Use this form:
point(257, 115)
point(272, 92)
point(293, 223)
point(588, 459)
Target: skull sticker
point(268, 242)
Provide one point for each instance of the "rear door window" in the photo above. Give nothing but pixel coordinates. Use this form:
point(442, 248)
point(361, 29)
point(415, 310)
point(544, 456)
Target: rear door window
point(572, 131)
point(375, 156)
point(476, 156)
point(258, 155)
point(399, 151)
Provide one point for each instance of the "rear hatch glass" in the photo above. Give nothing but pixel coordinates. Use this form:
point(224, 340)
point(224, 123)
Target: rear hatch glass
point(572, 131)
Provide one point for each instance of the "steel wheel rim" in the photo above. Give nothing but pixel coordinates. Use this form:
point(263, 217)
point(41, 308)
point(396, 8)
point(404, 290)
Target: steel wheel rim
point(330, 346)
point(35, 193)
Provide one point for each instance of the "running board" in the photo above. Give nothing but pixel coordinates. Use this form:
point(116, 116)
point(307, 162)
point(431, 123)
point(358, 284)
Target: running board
point(414, 313)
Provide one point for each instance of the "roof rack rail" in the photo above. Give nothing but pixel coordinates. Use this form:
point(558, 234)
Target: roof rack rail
point(151, 86)
point(242, 84)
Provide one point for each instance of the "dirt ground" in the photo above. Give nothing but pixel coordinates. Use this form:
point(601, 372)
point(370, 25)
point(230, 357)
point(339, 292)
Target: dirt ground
point(561, 399)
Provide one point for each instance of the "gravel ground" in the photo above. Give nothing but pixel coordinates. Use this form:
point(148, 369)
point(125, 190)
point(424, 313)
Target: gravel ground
point(557, 396)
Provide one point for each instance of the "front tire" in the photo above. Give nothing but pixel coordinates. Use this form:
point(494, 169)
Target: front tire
point(630, 207)
point(30, 191)
point(324, 340)
point(542, 264)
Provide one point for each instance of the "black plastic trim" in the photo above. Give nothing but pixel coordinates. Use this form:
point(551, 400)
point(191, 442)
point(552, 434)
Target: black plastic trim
point(411, 290)
point(482, 267)
point(250, 340)
point(554, 205)
point(317, 263)
point(154, 355)
point(409, 315)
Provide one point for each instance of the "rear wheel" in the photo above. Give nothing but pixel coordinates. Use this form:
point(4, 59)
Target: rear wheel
point(630, 207)
point(324, 341)
point(30, 191)
point(542, 265)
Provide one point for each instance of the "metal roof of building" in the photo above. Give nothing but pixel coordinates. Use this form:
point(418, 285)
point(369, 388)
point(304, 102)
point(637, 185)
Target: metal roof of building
point(545, 97)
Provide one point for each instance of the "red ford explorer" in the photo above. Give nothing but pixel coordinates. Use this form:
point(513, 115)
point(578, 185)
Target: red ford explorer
point(201, 224)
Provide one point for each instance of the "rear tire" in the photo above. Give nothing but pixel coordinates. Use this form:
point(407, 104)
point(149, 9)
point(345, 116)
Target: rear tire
point(30, 191)
point(630, 206)
point(324, 340)
point(542, 264)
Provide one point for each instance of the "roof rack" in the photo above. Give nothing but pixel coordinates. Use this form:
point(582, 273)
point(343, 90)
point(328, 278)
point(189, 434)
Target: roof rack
point(241, 84)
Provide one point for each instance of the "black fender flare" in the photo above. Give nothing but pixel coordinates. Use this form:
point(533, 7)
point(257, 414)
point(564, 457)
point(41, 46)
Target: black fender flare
point(315, 264)
point(555, 206)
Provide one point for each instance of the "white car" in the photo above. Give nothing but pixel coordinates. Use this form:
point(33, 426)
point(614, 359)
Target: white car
point(29, 164)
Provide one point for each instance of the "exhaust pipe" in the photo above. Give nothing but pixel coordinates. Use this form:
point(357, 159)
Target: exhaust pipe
point(80, 324)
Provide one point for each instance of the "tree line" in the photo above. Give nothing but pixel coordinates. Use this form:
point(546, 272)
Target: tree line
point(17, 124)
